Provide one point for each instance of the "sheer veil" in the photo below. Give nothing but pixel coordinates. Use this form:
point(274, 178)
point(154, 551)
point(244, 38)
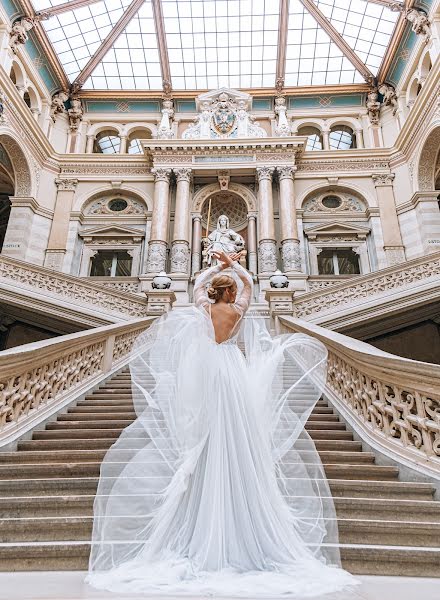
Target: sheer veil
point(144, 512)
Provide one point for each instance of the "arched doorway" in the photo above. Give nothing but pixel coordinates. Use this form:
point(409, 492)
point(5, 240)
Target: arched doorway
point(6, 191)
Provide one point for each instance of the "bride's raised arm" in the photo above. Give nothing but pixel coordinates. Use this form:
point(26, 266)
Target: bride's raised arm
point(242, 303)
point(200, 295)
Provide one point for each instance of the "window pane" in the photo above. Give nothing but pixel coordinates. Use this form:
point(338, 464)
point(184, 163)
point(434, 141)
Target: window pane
point(123, 265)
point(325, 263)
point(101, 264)
point(348, 262)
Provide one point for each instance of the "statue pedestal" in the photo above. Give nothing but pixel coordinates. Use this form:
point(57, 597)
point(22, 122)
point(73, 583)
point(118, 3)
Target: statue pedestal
point(159, 301)
point(280, 303)
point(179, 286)
point(297, 284)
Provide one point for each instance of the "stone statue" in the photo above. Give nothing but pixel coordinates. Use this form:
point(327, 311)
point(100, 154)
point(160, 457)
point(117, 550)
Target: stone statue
point(164, 131)
point(389, 96)
point(223, 239)
point(420, 22)
point(57, 106)
point(282, 127)
point(75, 113)
point(373, 106)
point(19, 33)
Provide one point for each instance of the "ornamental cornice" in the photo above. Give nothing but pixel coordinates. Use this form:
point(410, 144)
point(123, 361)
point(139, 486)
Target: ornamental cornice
point(82, 170)
point(383, 179)
point(343, 164)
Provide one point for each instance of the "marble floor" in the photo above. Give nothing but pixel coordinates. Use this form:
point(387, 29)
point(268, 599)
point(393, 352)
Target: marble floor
point(69, 586)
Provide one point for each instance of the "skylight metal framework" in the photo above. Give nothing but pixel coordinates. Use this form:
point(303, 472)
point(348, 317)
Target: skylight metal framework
point(193, 45)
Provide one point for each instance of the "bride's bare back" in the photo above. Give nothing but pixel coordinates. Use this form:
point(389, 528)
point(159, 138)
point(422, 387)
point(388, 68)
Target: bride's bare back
point(227, 310)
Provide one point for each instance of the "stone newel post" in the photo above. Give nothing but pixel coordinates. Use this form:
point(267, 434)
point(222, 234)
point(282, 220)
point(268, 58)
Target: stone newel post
point(57, 244)
point(267, 242)
point(180, 254)
point(157, 246)
point(289, 230)
point(392, 238)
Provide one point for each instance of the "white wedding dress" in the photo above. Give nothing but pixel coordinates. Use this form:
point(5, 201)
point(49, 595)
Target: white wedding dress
point(216, 488)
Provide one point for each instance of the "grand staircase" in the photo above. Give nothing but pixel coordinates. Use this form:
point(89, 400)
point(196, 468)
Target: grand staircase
point(387, 526)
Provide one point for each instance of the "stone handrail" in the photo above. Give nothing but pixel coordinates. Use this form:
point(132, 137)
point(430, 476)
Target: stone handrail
point(40, 378)
point(365, 290)
point(392, 402)
point(109, 304)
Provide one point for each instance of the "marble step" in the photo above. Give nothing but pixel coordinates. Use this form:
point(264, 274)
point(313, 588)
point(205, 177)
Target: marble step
point(91, 469)
point(390, 509)
point(358, 559)
point(351, 531)
point(340, 488)
point(83, 440)
point(24, 457)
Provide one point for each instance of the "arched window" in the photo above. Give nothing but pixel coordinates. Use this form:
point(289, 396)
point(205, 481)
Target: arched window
point(314, 137)
point(107, 142)
point(134, 145)
point(27, 99)
point(342, 138)
point(13, 76)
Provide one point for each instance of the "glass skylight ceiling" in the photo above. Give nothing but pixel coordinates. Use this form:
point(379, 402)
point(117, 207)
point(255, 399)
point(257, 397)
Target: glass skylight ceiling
point(215, 43)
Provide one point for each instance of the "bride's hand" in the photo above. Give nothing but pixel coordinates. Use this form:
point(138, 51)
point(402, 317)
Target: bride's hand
point(225, 259)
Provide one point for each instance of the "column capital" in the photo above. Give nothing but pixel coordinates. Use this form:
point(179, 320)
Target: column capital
point(286, 172)
point(265, 173)
point(383, 179)
point(183, 174)
point(66, 185)
point(251, 215)
point(161, 174)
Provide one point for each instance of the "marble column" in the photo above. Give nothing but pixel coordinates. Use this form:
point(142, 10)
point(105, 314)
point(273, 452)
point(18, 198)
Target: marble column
point(122, 144)
point(196, 258)
point(89, 144)
point(290, 253)
point(252, 242)
point(266, 240)
point(180, 255)
point(157, 246)
point(392, 237)
point(57, 244)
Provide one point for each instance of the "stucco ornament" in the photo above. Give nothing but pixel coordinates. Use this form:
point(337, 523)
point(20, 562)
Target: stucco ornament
point(19, 33)
point(389, 96)
point(373, 106)
point(57, 106)
point(75, 113)
point(420, 22)
point(223, 239)
point(223, 114)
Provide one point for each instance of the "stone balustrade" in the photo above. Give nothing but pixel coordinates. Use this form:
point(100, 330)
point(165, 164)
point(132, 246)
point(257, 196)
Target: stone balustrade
point(393, 403)
point(413, 281)
point(40, 378)
point(67, 291)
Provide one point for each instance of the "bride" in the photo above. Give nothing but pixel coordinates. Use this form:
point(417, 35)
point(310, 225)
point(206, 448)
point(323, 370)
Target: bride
point(216, 488)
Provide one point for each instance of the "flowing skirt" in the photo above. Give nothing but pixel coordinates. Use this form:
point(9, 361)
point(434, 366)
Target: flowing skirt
point(217, 488)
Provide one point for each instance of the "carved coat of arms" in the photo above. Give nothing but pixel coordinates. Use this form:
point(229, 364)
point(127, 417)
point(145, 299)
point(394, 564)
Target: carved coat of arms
point(224, 115)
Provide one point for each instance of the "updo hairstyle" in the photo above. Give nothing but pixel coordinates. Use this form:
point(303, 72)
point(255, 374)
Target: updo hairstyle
point(218, 285)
